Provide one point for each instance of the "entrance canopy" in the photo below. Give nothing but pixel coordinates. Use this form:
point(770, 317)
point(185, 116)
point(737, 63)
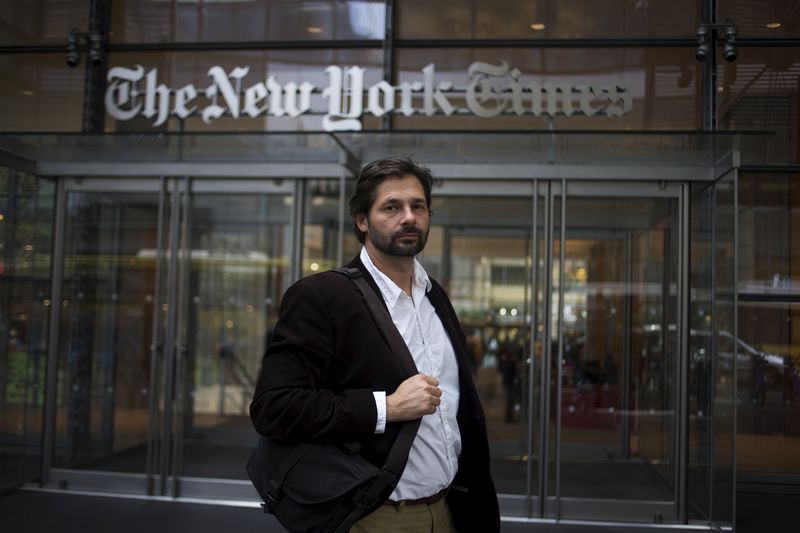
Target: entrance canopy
point(692, 156)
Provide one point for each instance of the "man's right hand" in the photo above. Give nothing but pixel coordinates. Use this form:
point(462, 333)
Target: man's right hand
point(415, 397)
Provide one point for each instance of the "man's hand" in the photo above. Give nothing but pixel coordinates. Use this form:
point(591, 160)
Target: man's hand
point(415, 397)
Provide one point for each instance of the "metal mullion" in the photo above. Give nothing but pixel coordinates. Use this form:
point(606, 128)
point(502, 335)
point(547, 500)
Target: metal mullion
point(181, 320)
point(298, 223)
point(544, 394)
point(735, 337)
point(714, 345)
point(626, 346)
point(560, 320)
point(156, 342)
point(388, 57)
point(342, 214)
point(51, 383)
point(169, 340)
point(532, 348)
point(682, 322)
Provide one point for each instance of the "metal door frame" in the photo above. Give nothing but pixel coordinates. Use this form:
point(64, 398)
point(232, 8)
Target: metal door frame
point(161, 477)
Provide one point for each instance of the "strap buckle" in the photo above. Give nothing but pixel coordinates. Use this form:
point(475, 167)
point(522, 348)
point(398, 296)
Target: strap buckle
point(269, 503)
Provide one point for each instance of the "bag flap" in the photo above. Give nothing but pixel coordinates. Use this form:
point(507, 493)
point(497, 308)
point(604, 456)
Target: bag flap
point(324, 473)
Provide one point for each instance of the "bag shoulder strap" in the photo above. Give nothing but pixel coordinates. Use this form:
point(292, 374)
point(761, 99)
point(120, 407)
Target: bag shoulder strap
point(379, 312)
point(399, 453)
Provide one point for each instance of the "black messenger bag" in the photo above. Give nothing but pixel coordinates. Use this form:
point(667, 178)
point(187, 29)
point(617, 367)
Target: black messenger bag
point(321, 488)
point(326, 488)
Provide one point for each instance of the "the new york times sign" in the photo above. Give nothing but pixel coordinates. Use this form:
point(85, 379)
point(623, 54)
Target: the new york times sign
point(491, 90)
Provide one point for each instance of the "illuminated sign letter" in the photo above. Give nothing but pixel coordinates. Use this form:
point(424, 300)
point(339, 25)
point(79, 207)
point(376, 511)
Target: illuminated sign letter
point(120, 95)
point(222, 84)
point(345, 99)
point(479, 72)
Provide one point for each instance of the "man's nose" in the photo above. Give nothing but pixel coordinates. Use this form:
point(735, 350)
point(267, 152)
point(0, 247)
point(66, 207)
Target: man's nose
point(407, 214)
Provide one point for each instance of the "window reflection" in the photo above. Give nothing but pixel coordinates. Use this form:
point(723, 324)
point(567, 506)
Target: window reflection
point(661, 84)
point(759, 92)
point(144, 21)
point(768, 364)
point(546, 19)
point(769, 243)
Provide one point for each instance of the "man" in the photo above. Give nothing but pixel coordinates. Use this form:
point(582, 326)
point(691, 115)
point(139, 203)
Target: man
point(329, 375)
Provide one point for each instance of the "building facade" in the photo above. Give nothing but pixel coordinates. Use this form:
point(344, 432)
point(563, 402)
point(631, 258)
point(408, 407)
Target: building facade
point(615, 220)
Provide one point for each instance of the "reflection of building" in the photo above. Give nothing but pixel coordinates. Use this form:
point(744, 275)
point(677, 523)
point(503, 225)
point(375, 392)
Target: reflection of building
point(592, 209)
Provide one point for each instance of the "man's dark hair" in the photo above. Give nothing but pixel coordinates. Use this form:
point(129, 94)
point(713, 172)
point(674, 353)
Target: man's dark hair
point(377, 172)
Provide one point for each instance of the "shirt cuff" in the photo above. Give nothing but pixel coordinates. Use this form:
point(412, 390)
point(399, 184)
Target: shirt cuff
point(380, 403)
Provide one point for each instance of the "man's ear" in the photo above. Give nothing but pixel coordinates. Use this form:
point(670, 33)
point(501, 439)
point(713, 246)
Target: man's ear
point(361, 222)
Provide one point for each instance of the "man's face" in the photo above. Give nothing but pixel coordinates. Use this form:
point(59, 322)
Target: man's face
point(399, 220)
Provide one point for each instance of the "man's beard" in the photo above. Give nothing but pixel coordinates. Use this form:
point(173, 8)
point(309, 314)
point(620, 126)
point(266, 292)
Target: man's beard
point(392, 245)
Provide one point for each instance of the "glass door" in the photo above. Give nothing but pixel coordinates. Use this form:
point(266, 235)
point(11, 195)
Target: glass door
point(612, 422)
point(106, 373)
point(480, 249)
point(236, 253)
point(168, 293)
point(570, 308)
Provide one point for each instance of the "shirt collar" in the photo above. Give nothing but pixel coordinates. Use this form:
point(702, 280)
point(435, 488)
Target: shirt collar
point(389, 289)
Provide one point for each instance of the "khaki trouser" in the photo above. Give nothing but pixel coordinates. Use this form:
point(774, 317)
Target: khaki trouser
point(407, 519)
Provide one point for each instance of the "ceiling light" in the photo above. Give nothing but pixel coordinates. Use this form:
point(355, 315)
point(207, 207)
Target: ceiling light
point(774, 25)
point(538, 26)
point(314, 29)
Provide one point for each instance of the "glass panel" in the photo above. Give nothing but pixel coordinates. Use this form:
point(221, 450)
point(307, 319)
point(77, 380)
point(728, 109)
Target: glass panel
point(545, 19)
point(484, 262)
point(26, 222)
point(106, 324)
point(44, 94)
point(618, 387)
point(701, 342)
point(660, 88)
point(769, 243)
point(23, 22)
point(321, 241)
point(713, 343)
point(758, 18)
point(759, 91)
point(175, 70)
point(769, 387)
point(725, 352)
point(240, 247)
point(145, 21)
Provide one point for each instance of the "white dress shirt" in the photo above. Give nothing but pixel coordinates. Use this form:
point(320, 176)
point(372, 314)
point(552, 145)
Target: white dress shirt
point(433, 460)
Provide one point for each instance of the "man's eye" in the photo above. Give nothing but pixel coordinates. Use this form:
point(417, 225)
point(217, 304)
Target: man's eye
point(391, 208)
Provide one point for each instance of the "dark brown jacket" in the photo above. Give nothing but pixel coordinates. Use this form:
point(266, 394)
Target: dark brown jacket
point(326, 358)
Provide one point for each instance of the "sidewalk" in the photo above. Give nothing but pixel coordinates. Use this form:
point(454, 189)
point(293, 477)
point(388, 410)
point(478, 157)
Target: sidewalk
point(60, 512)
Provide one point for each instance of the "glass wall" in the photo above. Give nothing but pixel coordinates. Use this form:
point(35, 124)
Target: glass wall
point(23, 22)
point(43, 94)
point(769, 322)
point(26, 240)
